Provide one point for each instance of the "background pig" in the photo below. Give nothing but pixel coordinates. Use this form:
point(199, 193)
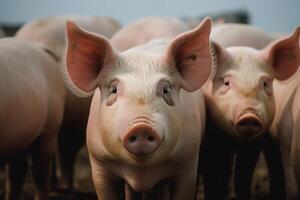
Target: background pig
point(240, 110)
point(146, 117)
point(286, 122)
point(31, 109)
point(146, 29)
point(50, 32)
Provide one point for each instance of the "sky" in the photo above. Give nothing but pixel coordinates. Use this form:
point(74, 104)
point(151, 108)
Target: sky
point(272, 15)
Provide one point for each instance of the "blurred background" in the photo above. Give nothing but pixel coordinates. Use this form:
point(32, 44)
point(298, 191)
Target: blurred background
point(272, 15)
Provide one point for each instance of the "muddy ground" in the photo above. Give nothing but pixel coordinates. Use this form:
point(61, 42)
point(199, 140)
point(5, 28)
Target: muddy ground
point(85, 190)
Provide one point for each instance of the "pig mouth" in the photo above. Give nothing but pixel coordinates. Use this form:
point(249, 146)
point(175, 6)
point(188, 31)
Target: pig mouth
point(249, 124)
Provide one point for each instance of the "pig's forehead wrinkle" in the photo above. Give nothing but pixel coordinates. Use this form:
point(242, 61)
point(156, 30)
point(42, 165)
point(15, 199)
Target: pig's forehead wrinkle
point(141, 61)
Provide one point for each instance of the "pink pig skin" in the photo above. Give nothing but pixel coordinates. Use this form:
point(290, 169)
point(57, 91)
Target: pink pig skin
point(147, 114)
point(146, 29)
point(50, 32)
point(241, 107)
point(286, 128)
point(31, 110)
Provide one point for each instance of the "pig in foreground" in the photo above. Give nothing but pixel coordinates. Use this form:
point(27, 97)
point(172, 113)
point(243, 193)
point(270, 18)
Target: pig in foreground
point(240, 109)
point(50, 32)
point(286, 124)
point(147, 114)
point(147, 29)
point(31, 109)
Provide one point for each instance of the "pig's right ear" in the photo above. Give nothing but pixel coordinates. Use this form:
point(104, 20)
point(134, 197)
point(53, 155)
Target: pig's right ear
point(283, 55)
point(87, 54)
point(191, 56)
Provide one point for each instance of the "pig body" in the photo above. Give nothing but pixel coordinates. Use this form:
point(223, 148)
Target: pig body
point(31, 109)
point(240, 109)
point(286, 128)
point(147, 114)
point(231, 34)
point(50, 33)
point(147, 29)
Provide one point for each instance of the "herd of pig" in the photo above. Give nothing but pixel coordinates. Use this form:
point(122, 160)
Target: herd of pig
point(158, 103)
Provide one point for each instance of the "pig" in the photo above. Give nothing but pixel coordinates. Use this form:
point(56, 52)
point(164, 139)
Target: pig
point(147, 29)
point(50, 32)
point(240, 108)
point(147, 115)
point(31, 111)
point(286, 124)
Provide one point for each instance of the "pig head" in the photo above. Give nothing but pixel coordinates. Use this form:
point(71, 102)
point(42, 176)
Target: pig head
point(240, 94)
point(147, 113)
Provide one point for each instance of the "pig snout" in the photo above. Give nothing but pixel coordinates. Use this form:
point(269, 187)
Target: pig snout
point(141, 140)
point(249, 124)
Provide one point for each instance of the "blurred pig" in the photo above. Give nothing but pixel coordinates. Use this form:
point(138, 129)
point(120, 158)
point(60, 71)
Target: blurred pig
point(146, 29)
point(31, 111)
point(50, 32)
point(147, 115)
point(240, 106)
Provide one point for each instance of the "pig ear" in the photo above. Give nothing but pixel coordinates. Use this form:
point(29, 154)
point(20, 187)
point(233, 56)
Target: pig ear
point(284, 55)
point(190, 54)
point(87, 54)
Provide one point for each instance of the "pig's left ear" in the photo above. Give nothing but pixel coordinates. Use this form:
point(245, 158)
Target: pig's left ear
point(190, 54)
point(283, 55)
point(86, 56)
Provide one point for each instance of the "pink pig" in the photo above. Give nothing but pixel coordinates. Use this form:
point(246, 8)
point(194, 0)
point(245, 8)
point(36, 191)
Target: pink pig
point(50, 32)
point(240, 108)
point(286, 123)
point(147, 115)
point(31, 111)
point(146, 29)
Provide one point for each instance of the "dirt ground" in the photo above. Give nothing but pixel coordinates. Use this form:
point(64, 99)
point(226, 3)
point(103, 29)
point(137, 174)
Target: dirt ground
point(85, 190)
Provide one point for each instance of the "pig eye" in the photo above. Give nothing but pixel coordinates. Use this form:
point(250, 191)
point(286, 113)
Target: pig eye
point(164, 90)
point(267, 85)
point(112, 94)
point(226, 81)
point(225, 84)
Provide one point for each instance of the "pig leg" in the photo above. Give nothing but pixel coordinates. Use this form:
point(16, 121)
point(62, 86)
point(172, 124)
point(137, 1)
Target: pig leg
point(272, 155)
point(184, 186)
point(130, 194)
point(160, 192)
point(107, 186)
point(15, 177)
point(69, 143)
point(246, 160)
point(43, 152)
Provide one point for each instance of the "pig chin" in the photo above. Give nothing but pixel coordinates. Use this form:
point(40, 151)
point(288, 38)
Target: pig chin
point(249, 124)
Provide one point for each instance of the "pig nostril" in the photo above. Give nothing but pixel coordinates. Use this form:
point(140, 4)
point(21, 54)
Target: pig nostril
point(151, 138)
point(132, 138)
